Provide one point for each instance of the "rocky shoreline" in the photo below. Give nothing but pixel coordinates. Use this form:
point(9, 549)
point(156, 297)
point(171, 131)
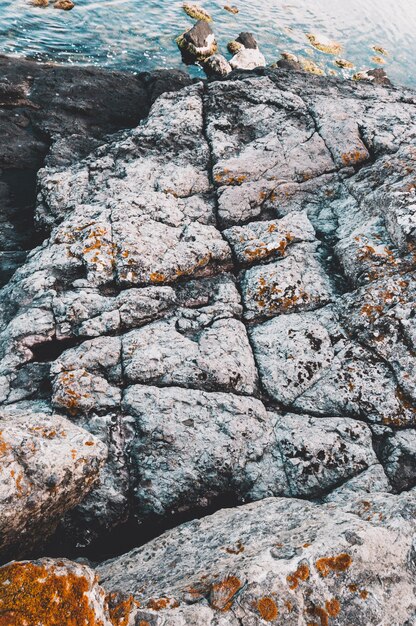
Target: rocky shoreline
point(216, 316)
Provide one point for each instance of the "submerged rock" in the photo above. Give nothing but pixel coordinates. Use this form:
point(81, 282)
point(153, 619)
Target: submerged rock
point(322, 43)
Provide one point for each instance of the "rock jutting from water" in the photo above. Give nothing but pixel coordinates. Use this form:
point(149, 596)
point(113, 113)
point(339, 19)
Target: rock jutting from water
point(223, 305)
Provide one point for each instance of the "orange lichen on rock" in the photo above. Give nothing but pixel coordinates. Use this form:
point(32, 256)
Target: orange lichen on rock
point(157, 277)
point(353, 157)
point(337, 564)
point(158, 604)
point(302, 573)
point(223, 592)
point(333, 607)
point(237, 549)
point(320, 613)
point(4, 447)
point(121, 607)
point(34, 594)
point(268, 609)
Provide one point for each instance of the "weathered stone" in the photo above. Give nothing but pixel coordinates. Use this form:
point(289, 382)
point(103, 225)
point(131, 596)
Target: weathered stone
point(47, 466)
point(198, 43)
point(50, 592)
point(128, 318)
point(217, 66)
point(247, 40)
point(248, 59)
point(278, 559)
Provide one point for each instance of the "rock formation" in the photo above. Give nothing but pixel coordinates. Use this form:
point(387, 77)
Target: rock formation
point(225, 299)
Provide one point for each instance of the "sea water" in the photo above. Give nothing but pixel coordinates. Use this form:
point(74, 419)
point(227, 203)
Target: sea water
point(139, 35)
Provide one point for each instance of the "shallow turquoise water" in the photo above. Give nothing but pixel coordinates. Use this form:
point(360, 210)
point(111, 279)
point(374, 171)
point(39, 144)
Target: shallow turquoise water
point(139, 35)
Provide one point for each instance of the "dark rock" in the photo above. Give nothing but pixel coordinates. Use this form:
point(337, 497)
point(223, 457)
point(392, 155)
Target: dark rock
point(61, 112)
point(380, 77)
point(247, 40)
point(198, 34)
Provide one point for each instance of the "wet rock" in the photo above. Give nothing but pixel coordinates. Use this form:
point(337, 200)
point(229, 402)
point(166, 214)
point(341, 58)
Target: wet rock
point(279, 557)
point(55, 592)
point(198, 43)
point(248, 59)
point(47, 465)
point(217, 66)
point(247, 40)
point(64, 5)
point(196, 12)
point(322, 43)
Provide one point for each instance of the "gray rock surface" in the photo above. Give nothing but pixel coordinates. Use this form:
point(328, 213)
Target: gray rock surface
point(225, 298)
point(47, 466)
point(279, 559)
point(60, 113)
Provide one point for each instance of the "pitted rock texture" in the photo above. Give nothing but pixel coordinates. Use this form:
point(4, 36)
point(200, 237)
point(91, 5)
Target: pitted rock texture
point(226, 299)
point(47, 466)
point(278, 561)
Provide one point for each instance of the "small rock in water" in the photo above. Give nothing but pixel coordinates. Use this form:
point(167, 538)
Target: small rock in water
point(217, 66)
point(344, 64)
point(310, 66)
point(198, 43)
point(379, 60)
point(380, 50)
point(39, 3)
point(377, 76)
point(247, 40)
point(196, 12)
point(324, 44)
point(65, 5)
point(289, 61)
point(232, 9)
point(248, 59)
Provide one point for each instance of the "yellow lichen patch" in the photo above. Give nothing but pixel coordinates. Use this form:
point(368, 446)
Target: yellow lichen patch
point(196, 12)
point(32, 594)
point(267, 609)
point(302, 573)
point(323, 44)
point(223, 592)
point(120, 608)
point(158, 604)
point(336, 564)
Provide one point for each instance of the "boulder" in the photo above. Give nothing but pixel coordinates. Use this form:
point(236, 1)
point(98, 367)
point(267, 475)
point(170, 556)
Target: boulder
point(279, 559)
point(248, 59)
point(47, 466)
point(198, 43)
point(217, 66)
